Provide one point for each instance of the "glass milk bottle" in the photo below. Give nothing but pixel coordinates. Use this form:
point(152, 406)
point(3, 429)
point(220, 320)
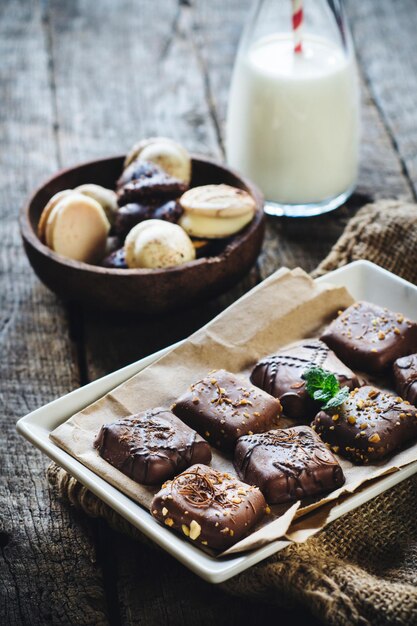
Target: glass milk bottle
point(293, 115)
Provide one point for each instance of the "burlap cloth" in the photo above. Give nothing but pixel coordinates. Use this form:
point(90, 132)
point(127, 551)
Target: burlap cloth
point(362, 569)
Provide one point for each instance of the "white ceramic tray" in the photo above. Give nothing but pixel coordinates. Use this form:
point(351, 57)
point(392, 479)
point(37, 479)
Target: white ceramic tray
point(364, 281)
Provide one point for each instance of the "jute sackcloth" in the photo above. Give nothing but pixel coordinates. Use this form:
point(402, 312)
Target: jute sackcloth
point(362, 568)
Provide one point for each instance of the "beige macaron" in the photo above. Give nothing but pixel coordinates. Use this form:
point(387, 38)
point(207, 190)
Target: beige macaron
point(52, 202)
point(216, 211)
point(173, 158)
point(157, 244)
point(77, 228)
point(106, 197)
point(217, 201)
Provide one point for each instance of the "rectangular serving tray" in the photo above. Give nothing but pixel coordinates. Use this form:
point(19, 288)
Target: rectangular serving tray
point(365, 281)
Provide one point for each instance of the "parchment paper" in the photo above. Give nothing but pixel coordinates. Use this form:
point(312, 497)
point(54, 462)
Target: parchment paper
point(286, 307)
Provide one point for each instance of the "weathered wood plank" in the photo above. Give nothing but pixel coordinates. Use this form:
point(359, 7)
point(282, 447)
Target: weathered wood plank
point(385, 36)
point(47, 555)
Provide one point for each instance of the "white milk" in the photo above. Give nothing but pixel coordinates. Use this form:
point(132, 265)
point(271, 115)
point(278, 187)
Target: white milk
point(293, 120)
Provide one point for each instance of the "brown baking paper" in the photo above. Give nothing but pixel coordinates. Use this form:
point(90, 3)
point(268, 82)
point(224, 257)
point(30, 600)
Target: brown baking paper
point(286, 307)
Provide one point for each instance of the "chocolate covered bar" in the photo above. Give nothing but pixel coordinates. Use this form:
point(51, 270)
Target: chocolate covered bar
point(369, 338)
point(405, 374)
point(368, 426)
point(281, 376)
point(287, 464)
point(208, 507)
point(151, 446)
point(222, 407)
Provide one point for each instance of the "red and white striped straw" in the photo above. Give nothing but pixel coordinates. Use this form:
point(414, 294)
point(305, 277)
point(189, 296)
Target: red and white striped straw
point(297, 24)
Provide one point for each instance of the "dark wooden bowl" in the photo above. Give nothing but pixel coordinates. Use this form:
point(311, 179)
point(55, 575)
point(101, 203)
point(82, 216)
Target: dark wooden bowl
point(140, 290)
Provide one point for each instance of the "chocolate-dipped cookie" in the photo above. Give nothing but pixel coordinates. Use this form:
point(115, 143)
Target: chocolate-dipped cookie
point(368, 426)
point(208, 507)
point(151, 446)
point(370, 338)
point(287, 464)
point(131, 214)
point(222, 407)
point(405, 374)
point(281, 376)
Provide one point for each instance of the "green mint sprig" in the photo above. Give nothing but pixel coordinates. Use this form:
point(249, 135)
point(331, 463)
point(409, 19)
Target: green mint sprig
point(324, 387)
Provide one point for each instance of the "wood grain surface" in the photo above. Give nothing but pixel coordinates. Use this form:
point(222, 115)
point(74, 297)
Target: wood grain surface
point(82, 80)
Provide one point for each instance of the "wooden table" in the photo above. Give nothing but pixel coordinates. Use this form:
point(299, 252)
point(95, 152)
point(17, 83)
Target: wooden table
point(81, 80)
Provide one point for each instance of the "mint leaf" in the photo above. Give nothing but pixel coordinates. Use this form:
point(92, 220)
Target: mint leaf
point(337, 400)
point(324, 387)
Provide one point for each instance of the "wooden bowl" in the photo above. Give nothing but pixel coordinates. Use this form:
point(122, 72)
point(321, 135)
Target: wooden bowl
point(141, 290)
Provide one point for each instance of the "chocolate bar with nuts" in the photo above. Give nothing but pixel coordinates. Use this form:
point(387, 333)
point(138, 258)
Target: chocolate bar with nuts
point(287, 464)
point(281, 376)
point(222, 407)
point(370, 338)
point(405, 374)
point(208, 507)
point(368, 426)
point(151, 446)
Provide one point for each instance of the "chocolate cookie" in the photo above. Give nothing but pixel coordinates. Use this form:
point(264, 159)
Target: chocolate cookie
point(405, 374)
point(131, 214)
point(158, 186)
point(208, 507)
point(368, 426)
point(116, 260)
point(281, 376)
point(222, 407)
point(369, 338)
point(287, 464)
point(151, 446)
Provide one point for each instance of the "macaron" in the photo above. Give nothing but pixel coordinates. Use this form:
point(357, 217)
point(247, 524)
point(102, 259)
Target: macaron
point(156, 244)
point(216, 211)
point(173, 158)
point(77, 228)
point(52, 202)
point(106, 197)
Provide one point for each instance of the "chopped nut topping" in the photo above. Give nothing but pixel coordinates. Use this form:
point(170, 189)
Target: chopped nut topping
point(164, 511)
point(351, 419)
point(381, 335)
point(169, 521)
point(185, 530)
point(267, 509)
point(374, 438)
point(335, 417)
point(195, 530)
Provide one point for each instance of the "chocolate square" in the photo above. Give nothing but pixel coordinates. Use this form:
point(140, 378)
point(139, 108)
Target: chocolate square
point(368, 426)
point(287, 464)
point(151, 446)
point(222, 407)
point(405, 374)
point(208, 507)
point(369, 338)
point(281, 376)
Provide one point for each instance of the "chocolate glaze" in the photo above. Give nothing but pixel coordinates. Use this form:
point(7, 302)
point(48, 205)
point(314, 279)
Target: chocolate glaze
point(151, 446)
point(208, 507)
point(287, 464)
point(131, 214)
point(222, 407)
point(281, 376)
point(405, 374)
point(369, 338)
point(368, 426)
